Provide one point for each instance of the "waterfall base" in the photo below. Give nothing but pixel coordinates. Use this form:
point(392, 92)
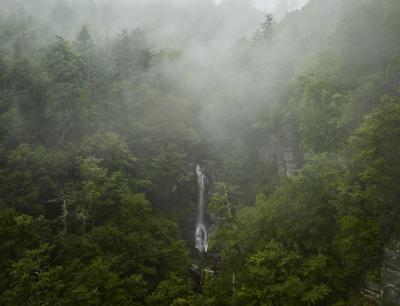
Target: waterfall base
point(201, 238)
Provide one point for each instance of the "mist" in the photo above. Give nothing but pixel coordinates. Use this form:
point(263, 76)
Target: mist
point(199, 152)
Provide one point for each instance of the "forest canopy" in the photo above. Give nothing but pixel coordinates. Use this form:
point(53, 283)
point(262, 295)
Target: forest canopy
point(130, 131)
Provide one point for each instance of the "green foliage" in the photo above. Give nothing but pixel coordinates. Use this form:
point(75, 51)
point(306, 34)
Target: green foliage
point(170, 292)
point(355, 238)
point(374, 171)
point(19, 233)
point(98, 147)
point(25, 178)
point(276, 276)
point(33, 280)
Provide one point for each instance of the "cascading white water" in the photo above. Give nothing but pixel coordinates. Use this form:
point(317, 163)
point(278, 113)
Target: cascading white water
point(201, 232)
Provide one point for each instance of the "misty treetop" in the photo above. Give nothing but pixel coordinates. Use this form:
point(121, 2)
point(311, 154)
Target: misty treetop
point(108, 107)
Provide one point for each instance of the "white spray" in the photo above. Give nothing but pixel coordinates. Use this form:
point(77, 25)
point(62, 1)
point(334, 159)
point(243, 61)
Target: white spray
point(201, 232)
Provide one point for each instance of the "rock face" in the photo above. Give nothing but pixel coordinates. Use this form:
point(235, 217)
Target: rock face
point(390, 274)
point(387, 292)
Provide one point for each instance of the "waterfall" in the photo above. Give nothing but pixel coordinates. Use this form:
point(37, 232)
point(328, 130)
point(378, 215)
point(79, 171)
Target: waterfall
point(201, 232)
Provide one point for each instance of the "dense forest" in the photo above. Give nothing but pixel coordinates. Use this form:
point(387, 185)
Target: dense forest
point(293, 123)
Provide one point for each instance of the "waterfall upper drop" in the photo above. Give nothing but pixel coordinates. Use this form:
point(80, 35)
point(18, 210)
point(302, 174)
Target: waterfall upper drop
point(201, 232)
